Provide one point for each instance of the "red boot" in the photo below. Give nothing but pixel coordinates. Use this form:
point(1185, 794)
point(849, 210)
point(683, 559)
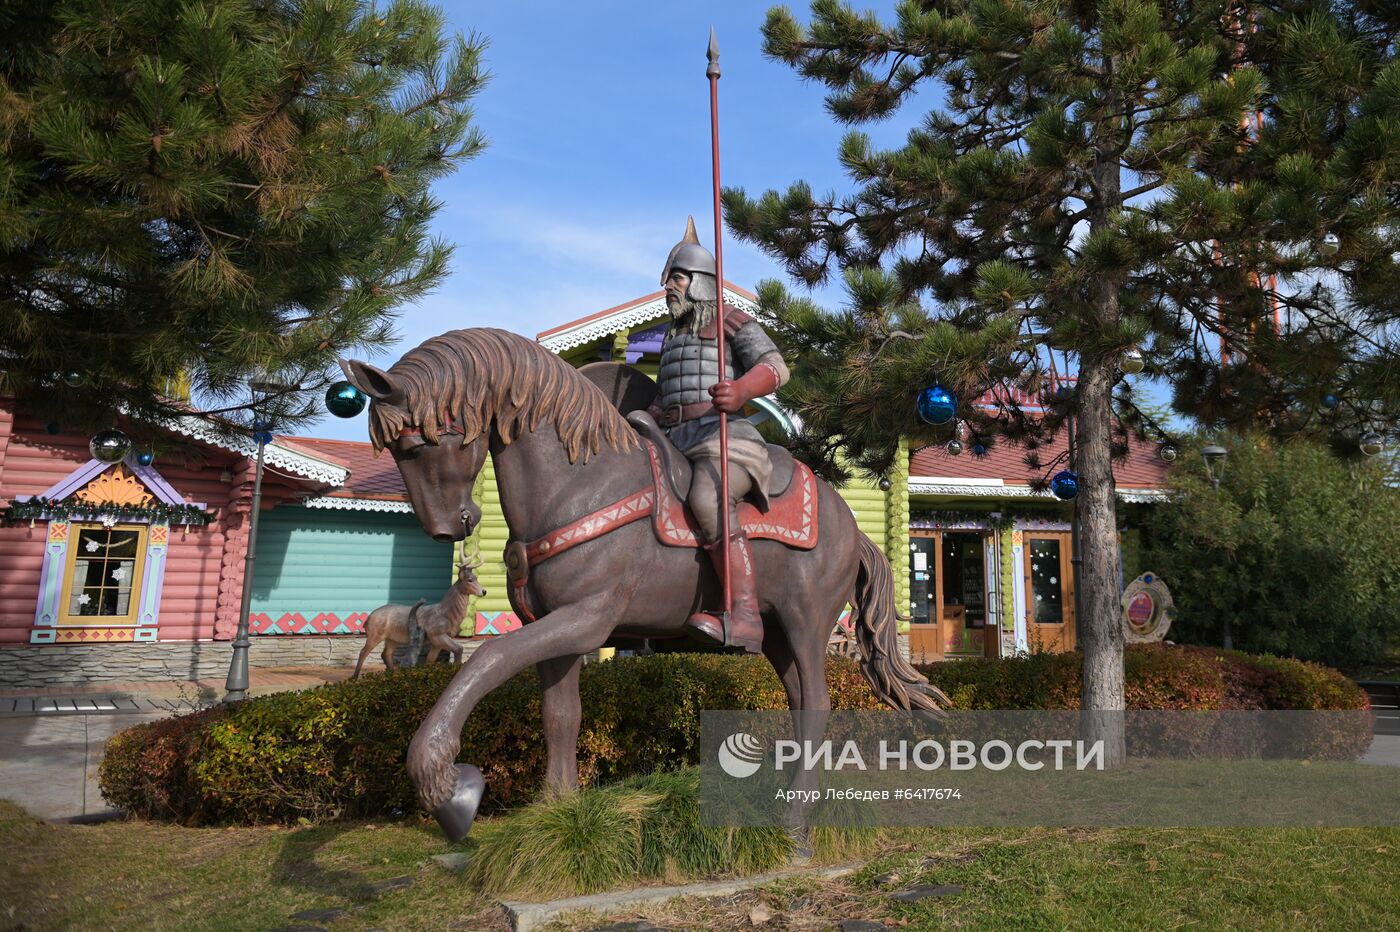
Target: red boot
point(745, 623)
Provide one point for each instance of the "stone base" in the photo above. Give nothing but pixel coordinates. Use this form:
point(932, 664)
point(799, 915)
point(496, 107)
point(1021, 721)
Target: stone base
point(39, 667)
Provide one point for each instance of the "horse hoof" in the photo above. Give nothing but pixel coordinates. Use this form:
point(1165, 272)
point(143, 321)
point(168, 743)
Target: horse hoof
point(457, 814)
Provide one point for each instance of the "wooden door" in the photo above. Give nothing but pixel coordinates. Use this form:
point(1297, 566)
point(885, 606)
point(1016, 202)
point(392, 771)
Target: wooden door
point(1049, 577)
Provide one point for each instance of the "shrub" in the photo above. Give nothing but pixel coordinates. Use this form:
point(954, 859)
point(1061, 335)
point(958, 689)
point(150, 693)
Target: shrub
point(1177, 677)
point(338, 750)
point(1158, 676)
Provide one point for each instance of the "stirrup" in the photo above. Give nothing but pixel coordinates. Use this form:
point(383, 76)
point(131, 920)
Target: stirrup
point(712, 629)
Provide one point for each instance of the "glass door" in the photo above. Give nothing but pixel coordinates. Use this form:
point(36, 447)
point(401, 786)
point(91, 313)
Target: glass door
point(1050, 622)
point(964, 594)
point(924, 597)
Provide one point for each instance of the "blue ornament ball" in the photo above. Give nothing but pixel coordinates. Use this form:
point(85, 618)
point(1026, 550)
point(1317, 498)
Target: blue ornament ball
point(1065, 485)
point(145, 458)
point(53, 428)
point(979, 449)
point(345, 400)
point(937, 405)
point(1330, 401)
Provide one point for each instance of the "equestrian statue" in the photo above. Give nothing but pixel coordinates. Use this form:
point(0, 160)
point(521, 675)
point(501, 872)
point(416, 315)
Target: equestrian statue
point(635, 508)
point(603, 545)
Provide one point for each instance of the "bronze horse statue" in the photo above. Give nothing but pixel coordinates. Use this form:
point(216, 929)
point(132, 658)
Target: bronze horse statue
point(562, 450)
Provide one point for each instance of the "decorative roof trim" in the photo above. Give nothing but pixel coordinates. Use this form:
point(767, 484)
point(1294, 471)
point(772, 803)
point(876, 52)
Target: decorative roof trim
point(996, 488)
point(89, 471)
point(359, 504)
point(591, 330)
point(274, 455)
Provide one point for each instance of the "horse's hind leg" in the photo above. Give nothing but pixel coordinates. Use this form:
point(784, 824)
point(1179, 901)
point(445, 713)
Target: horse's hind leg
point(803, 646)
point(563, 713)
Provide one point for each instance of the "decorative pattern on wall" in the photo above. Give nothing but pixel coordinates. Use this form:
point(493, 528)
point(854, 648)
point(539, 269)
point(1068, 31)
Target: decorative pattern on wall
point(297, 623)
point(489, 623)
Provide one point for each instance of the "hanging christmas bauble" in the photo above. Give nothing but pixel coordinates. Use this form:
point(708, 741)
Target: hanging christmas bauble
point(53, 428)
point(1132, 361)
point(979, 449)
point(1330, 401)
point(1330, 244)
point(1371, 443)
point(937, 405)
point(72, 379)
point(109, 446)
point(955, 448)
point(1168, 452)
point(145, 458)
point(345, 400)
point(1065, 485)
point(886, 485)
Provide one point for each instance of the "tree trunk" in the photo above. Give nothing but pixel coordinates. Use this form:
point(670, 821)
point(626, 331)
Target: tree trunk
point(1102, 700)
point(1100, 632)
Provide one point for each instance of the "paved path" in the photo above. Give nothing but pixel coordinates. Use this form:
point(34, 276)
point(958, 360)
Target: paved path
point(51, 740)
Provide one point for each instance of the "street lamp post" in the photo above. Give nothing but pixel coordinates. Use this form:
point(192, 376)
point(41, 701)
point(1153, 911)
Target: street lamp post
point(236, 686)
point(1214, 457)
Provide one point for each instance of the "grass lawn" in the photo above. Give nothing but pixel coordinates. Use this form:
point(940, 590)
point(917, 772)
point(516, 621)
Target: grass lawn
point(136, 875)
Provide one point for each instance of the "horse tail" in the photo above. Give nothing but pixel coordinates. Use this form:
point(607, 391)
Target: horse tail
point(892, 678)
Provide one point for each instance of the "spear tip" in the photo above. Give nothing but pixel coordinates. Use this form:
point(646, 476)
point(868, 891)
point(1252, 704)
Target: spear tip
point(712, 53)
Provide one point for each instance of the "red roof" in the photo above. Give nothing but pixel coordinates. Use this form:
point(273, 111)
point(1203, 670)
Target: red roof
point(370, 476)
point(1142, 468)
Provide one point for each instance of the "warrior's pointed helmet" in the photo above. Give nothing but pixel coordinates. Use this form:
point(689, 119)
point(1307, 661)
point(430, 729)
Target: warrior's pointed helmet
point(696, 261)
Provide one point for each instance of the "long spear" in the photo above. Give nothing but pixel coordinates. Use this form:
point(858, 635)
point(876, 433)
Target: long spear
point(712, 72)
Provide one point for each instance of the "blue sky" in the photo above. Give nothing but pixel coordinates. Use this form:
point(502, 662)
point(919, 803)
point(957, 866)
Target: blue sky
point(597, 118)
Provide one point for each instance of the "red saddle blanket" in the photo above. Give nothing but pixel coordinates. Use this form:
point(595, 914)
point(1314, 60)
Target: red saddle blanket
point(791, 517)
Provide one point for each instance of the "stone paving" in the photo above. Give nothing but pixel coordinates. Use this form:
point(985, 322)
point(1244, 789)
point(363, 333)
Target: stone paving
point(52, 739)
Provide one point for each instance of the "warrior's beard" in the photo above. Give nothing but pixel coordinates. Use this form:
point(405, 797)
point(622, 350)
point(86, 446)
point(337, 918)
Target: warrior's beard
point(690, 315)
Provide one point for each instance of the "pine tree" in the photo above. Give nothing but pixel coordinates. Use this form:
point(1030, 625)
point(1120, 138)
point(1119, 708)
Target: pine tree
point(1093, 176)
point(200, 191)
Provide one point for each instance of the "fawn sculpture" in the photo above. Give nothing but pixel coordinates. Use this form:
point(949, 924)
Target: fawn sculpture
point(392, 624)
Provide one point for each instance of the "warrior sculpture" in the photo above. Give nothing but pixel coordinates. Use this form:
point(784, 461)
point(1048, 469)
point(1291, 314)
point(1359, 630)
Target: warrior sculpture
point(692, 395)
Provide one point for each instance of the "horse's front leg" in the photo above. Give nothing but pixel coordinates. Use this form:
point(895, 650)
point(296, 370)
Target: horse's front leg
point(563, 713)
point(453, 793)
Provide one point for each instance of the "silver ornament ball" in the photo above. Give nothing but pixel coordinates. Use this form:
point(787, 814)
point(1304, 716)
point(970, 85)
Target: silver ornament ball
point(109, 446)
point(1132, 361)
point(1371, 443)
point(955, 448)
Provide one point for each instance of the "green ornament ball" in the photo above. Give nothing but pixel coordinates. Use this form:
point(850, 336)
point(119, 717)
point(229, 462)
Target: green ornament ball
point(345, 400)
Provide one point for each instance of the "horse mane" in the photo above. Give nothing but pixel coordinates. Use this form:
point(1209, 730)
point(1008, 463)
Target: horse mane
point(469, 378)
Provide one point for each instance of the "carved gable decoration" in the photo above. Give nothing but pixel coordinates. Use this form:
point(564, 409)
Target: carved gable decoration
point(116, 487)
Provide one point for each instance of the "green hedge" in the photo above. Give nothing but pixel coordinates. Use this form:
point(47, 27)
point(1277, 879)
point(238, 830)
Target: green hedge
point(338, 750)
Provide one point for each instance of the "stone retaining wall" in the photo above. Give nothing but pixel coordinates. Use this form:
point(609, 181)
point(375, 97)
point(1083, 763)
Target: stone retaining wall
point(76, 664)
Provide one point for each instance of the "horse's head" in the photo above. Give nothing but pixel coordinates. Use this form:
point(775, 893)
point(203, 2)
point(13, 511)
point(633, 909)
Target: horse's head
point(439, 472)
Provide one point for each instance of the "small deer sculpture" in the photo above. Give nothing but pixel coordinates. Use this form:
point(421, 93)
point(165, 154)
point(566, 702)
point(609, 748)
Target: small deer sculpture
point(392, 624)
